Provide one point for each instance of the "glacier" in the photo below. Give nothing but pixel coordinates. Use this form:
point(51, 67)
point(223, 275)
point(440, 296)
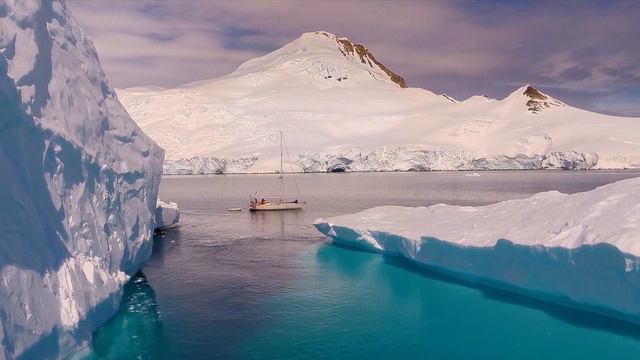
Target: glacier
point(401, 158)
point(580, 250)
point(79, 185)
point(207, 165)
point(422, 159)
point(343, 110)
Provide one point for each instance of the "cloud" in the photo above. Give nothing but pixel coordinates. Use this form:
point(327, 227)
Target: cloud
point(577, 49)
point(625, 102)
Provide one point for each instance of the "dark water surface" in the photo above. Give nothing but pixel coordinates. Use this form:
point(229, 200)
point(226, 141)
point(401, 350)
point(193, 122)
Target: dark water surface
point(236, 285)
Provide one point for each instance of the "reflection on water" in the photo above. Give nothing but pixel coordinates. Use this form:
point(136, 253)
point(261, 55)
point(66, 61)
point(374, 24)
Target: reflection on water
point(354, 305)
point(266, 285)
point(263, 221)
point(137, 329)
point(568, 314)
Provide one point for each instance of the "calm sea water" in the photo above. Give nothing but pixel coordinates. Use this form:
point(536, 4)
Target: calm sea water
point(236, 285)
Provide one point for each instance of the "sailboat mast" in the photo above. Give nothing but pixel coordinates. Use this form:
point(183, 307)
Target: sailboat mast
point(281, 168)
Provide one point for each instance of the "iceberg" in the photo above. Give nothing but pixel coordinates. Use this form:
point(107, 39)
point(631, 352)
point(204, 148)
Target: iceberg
point(78, 190)
point(580, 250)
point(167, 215)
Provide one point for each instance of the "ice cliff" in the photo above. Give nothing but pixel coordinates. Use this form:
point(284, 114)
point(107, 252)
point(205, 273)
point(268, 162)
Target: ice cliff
point(581, 249)
point(79, 185)
point(424, 159)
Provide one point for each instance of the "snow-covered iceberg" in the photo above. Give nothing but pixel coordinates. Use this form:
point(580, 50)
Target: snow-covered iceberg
point(167, 215)
point(581, 249)
point(78, 188)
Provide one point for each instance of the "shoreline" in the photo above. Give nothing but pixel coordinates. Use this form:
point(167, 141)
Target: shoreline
point(630, 170)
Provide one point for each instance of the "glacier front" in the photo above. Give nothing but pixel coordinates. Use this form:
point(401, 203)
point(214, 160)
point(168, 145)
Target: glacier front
point(79, 185)
point(580, 250)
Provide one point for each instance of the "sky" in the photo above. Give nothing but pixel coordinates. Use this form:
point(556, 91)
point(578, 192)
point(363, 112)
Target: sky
point(585, 53)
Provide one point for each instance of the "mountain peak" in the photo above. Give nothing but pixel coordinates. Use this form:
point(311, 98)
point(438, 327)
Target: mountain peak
point(533, 93)
point(535, 100)
point(314, 36)
point(322, 58)
point(350, 50)
point(355, 52)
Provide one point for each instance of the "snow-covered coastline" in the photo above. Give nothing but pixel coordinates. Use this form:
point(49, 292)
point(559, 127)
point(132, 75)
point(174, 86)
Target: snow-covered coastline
point(341, 112)
point(393, 160)
point(78, 190)
point(581, 250)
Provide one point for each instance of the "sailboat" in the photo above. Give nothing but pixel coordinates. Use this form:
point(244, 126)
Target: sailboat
point(266, 203)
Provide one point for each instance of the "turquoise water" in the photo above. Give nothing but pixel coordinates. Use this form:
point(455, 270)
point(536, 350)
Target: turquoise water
point(267, 286)
point(353, 306)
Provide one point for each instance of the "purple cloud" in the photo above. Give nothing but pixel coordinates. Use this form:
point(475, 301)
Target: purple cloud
point(580, 51)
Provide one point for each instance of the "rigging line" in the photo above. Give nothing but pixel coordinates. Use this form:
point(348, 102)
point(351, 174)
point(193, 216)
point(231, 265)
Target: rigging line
point(291, 166)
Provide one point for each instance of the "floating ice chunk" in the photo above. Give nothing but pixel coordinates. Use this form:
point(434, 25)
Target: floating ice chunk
point(167, 215)
point(581, 249)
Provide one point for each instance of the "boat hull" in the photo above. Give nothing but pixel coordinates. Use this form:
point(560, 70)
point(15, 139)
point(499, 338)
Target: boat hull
point(276, 207)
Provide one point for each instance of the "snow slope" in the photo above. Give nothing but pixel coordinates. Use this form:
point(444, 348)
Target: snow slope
point(581, 249)
point(78, 188)
point(343, 111)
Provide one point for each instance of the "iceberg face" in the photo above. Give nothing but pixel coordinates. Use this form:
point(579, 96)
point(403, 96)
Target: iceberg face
point(557, 247)
point(167, 215)
point(79, 185)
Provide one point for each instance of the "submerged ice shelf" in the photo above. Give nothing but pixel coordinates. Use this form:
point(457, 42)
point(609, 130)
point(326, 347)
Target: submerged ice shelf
point(581, 250)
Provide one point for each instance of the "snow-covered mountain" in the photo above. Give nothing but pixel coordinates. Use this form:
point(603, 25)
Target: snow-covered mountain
point(78, 188)
point(558, 247)
point(342, 109)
